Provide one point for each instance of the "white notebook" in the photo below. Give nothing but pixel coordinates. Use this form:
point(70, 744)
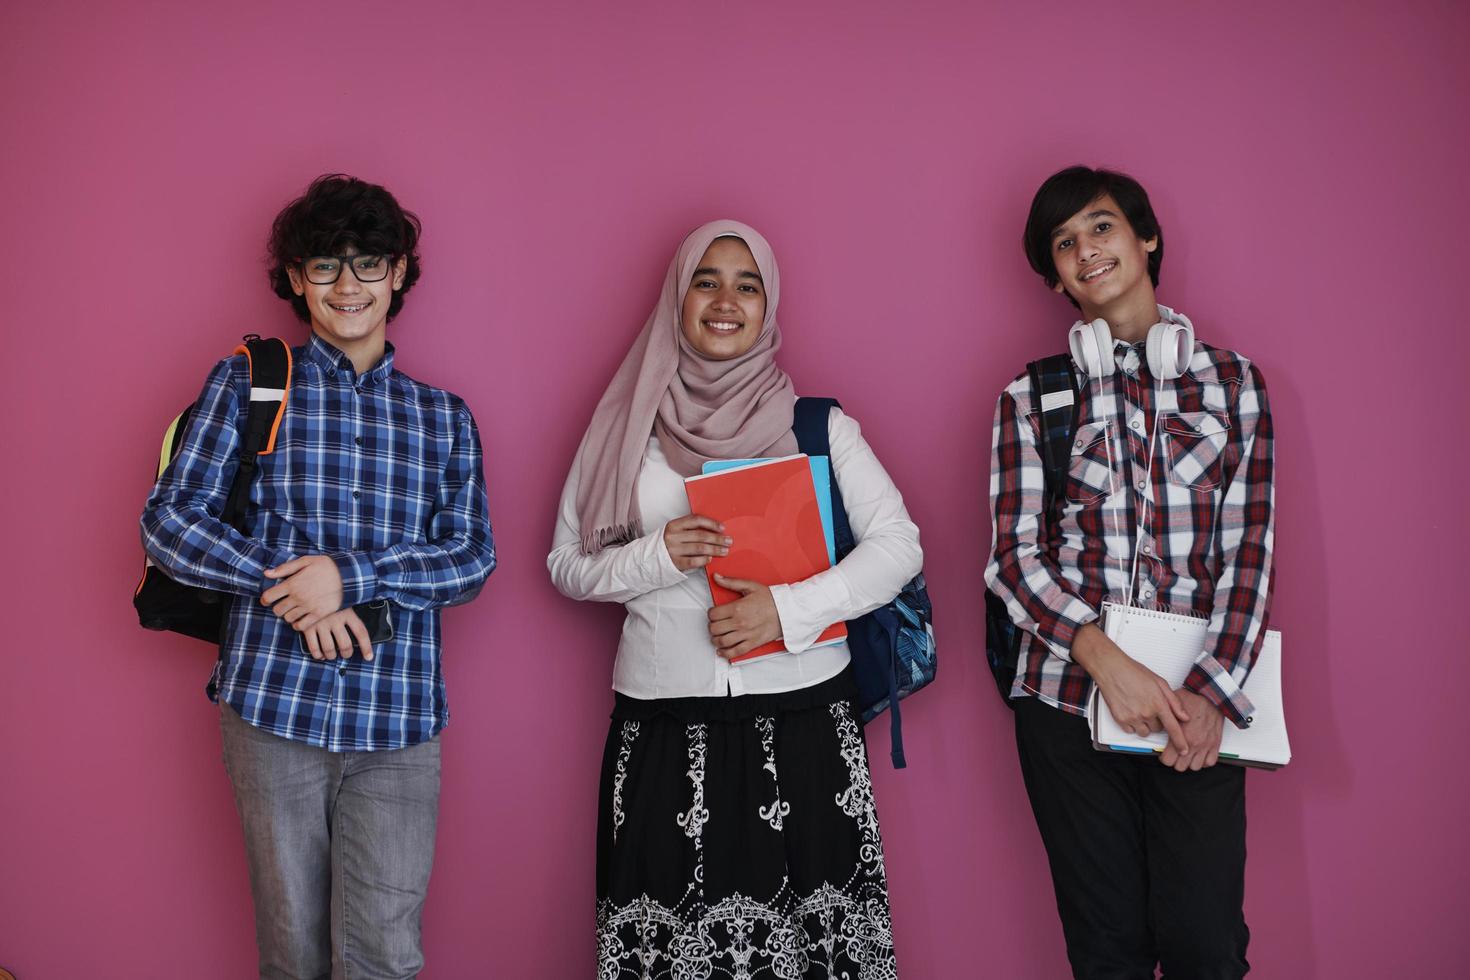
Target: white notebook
point(1169, 644)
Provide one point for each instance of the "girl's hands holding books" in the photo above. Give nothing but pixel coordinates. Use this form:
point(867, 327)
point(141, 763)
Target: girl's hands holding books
point(693, 540)
point(752, 620)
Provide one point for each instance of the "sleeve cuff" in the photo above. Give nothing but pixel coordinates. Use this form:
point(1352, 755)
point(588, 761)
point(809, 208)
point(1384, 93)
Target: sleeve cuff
point(658, 561)
point(1215, 684)
point(796, 636)
point(258, 556)
point(359, 577)
point(1060, 637)
point(799, 630)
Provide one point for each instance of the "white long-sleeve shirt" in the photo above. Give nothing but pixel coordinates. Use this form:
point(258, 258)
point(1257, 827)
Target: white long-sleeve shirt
point(666, 651)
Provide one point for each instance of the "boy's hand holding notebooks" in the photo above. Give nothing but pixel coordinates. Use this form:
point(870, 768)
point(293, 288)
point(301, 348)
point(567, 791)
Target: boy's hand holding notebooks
point(770, 511)
point(1168, 645)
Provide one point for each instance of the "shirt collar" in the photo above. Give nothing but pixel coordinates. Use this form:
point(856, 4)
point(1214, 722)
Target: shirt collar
point(333, 361)
point(1130, 357)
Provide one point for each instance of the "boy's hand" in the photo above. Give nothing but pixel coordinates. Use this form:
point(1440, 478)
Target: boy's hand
point(740, 626)
point(1139, 699)
point(311, 588)
point(1203, 731)
point(332, 636)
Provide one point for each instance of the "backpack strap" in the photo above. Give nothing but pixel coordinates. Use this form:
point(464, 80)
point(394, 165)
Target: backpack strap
point(270, 385)
point(810, 425)
point(1058, 405)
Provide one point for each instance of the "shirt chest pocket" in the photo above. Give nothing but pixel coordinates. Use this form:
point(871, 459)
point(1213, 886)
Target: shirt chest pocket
point(1090, 475)
point(1194, 448)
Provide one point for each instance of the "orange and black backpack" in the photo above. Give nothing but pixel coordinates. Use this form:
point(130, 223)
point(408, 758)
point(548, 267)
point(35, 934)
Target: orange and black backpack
point(164, 604)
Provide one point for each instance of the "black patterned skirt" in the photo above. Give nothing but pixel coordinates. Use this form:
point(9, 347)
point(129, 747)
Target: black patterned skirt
point(737, 838)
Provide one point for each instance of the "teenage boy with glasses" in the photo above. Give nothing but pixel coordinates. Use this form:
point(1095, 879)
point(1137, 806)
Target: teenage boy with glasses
point(374, 492)
point(1147, 855)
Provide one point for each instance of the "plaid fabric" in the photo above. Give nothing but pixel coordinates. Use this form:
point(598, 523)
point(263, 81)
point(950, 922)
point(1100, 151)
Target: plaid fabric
point(378, 471)
point(1207, 520)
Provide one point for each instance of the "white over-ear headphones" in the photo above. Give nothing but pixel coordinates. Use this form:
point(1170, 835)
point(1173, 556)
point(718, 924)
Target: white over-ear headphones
point(1169, 348)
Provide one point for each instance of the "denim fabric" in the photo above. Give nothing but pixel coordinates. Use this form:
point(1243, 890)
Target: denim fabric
point(340, 845)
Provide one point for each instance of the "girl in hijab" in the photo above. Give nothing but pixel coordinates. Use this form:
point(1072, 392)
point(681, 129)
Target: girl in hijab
point(737, 833)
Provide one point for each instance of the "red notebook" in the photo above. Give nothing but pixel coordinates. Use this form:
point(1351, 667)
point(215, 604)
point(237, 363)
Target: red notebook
point(770, 510)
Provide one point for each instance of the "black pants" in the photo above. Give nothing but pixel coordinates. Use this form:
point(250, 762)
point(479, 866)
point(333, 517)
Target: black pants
point(1148, 863)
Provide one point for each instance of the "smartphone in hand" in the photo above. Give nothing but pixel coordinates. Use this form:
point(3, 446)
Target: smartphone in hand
point(376, 616)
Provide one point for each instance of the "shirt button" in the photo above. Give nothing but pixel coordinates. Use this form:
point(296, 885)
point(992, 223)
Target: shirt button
point(358, 440)
point(357, 495)
point(1142, 485)
point(1148, 593)
point(341, 671)
point(1147, 550)
point(1079, 443)
point(1135, 423)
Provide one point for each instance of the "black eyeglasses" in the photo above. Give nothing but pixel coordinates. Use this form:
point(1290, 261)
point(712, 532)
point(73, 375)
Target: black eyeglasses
point(323, 270)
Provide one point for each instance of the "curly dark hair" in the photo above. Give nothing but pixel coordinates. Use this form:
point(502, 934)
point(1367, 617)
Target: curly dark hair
point(339, 212)
point(1068, 191)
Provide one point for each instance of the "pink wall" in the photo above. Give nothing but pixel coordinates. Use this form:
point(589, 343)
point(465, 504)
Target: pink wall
point(1308, 161)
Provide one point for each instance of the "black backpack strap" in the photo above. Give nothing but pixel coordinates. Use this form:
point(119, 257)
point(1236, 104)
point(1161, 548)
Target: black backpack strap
point(270, 386)
point(1058, 405)
point(810, 426)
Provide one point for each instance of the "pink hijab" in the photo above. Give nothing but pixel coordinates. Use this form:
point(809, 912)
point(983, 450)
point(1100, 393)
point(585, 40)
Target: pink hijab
point(700, 409)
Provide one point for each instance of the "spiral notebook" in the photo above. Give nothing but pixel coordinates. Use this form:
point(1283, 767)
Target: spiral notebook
point(1169, 644)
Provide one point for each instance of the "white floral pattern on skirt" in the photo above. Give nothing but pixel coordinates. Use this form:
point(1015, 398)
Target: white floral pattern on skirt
point(837, 930)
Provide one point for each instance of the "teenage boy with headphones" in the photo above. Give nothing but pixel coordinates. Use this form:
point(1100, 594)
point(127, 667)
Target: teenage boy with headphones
point(1171, 462)
point(374, 492)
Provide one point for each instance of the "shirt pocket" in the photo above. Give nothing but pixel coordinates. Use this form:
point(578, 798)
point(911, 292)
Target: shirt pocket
point(1090, 472)
point(1194, 445)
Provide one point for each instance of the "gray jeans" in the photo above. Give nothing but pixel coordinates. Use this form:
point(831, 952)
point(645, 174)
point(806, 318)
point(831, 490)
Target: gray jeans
point(340, 845)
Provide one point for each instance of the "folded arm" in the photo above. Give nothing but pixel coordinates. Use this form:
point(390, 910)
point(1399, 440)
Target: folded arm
point(181, 528)
point(1244, 531)
point(618, 573)
point(459, 554)
point(1021, 572)
point(887, 554)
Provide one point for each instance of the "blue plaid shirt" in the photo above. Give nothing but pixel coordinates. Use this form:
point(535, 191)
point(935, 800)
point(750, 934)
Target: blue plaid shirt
point(378, 471)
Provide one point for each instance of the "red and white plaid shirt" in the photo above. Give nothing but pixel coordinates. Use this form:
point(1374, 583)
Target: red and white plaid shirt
point(1207, 507)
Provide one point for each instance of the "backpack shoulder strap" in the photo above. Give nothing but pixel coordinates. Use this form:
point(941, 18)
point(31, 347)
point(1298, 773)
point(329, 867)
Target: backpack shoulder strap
point(1054, 386)
point(270, 387)
point(810, 426)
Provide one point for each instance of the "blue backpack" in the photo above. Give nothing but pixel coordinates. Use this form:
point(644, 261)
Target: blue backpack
point(892, 647)
point(1049, 376)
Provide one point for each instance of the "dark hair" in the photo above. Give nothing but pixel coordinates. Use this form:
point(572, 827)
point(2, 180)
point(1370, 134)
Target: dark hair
point(339, 212)
point(1069, 191)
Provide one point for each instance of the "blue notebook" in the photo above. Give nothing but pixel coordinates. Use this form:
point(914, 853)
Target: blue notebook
point(821, 482)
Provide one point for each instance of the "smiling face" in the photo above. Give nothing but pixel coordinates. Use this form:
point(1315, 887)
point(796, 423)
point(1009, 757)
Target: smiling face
point(349, 314)
point(725, 306)
point(1101, 262)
